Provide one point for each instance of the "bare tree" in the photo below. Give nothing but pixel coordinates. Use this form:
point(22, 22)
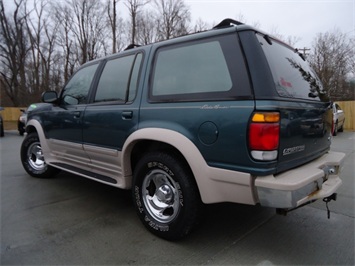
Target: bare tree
point(173, 18)
point(88, 27)
point(146, 28)
point(14, 48)
point(116, 24)
point(134, 8)
point(201, 25)
point(112, 17)
point(290, 39)
point(42, 35)
point(332, 58)
point(65, 39)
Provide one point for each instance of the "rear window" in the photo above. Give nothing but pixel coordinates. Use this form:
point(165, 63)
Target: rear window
point(293, 77)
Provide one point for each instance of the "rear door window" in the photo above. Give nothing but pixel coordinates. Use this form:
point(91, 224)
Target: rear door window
point(119, 79)
point(293, 77)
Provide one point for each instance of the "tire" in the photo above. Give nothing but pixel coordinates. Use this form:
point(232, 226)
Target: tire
point(32, 158)
point(342, 127)
point(335, 132)
point(2, 127)
point(165, 195)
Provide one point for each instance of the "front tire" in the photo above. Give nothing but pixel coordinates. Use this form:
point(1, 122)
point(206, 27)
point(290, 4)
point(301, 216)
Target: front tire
point(342, 127)
point(165, 195)
point(335, 132)
point(32, 158)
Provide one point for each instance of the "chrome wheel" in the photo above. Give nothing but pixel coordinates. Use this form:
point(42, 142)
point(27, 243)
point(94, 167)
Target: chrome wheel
point(160, 195)
point(32, 158)
point(35, 157)
point(165, 195)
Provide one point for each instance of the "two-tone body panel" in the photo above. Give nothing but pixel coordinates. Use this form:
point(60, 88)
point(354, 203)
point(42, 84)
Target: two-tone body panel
point(194, 95)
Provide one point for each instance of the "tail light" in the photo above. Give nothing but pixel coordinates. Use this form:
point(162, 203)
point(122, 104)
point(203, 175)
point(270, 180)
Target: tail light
point(264, 135)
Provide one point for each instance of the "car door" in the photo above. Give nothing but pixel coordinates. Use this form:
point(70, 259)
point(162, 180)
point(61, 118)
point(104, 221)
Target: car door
point(63, 125)
point(112, 115)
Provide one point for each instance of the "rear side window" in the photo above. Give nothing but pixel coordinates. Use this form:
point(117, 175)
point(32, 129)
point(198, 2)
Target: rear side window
point(198, 70)
point(293, 77)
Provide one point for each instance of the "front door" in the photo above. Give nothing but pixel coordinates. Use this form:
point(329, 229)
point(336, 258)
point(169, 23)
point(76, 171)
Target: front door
point(63, 125)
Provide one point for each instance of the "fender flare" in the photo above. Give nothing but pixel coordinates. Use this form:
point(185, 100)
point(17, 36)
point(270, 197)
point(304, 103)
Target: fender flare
point(42, 138)
point(185, 146)
point(214, 184)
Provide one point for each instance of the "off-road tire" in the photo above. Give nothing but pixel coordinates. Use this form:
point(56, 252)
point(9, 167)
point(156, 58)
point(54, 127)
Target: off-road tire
point(165, 195)
point(32, 158)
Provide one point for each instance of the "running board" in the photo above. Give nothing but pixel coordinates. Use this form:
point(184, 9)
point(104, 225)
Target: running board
point(84, 173)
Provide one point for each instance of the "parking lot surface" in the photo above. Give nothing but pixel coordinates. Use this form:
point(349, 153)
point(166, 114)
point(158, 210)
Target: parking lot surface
point(70, 220)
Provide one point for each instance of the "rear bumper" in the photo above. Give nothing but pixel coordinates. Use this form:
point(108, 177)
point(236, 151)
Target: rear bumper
point(315, 180)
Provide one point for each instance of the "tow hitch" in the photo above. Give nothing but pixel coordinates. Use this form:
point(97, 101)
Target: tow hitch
point(326, 200)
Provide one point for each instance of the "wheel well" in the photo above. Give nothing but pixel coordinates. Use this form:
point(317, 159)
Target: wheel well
point(30, 129)
point(145, 146)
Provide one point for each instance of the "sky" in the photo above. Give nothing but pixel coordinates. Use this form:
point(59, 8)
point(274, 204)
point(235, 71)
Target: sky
point(300, 18)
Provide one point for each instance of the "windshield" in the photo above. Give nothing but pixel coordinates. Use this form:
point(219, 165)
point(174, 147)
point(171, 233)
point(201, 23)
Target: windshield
point(293, 77)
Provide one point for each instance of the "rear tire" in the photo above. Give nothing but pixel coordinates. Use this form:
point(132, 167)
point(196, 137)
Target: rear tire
point(165, 195)
point(32, 158)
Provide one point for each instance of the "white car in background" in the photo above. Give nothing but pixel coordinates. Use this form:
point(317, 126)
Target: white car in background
point(338, 119)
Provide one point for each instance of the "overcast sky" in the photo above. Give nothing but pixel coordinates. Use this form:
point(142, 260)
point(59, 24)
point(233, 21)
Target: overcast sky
point(303, 19)
point(299, 18)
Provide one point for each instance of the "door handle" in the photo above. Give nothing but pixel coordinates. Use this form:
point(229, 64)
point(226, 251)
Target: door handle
point(77, 114)
point(126, 115)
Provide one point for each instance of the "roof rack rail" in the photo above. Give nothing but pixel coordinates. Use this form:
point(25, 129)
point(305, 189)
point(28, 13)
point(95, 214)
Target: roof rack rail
point(227, 22)
point(131, 46)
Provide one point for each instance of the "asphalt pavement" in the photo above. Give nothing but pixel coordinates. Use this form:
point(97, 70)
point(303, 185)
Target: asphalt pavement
point(70, 220)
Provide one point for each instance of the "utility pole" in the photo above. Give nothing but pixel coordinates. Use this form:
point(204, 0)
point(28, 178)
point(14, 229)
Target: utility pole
point(304, 51)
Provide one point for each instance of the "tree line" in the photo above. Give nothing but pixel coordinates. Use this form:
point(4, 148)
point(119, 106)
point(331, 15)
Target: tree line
point(42, 42)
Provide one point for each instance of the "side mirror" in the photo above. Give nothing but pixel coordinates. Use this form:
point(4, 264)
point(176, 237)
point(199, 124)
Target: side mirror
point(49, 97)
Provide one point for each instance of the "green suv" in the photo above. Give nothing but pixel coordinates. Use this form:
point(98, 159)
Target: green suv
point(226, 115)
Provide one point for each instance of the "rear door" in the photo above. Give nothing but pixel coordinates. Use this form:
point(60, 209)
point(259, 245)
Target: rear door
point(305, 111)
point(113, 113)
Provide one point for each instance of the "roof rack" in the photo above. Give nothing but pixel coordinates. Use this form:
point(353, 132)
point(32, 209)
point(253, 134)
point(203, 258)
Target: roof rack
point(131, 46)
point(227, 22)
